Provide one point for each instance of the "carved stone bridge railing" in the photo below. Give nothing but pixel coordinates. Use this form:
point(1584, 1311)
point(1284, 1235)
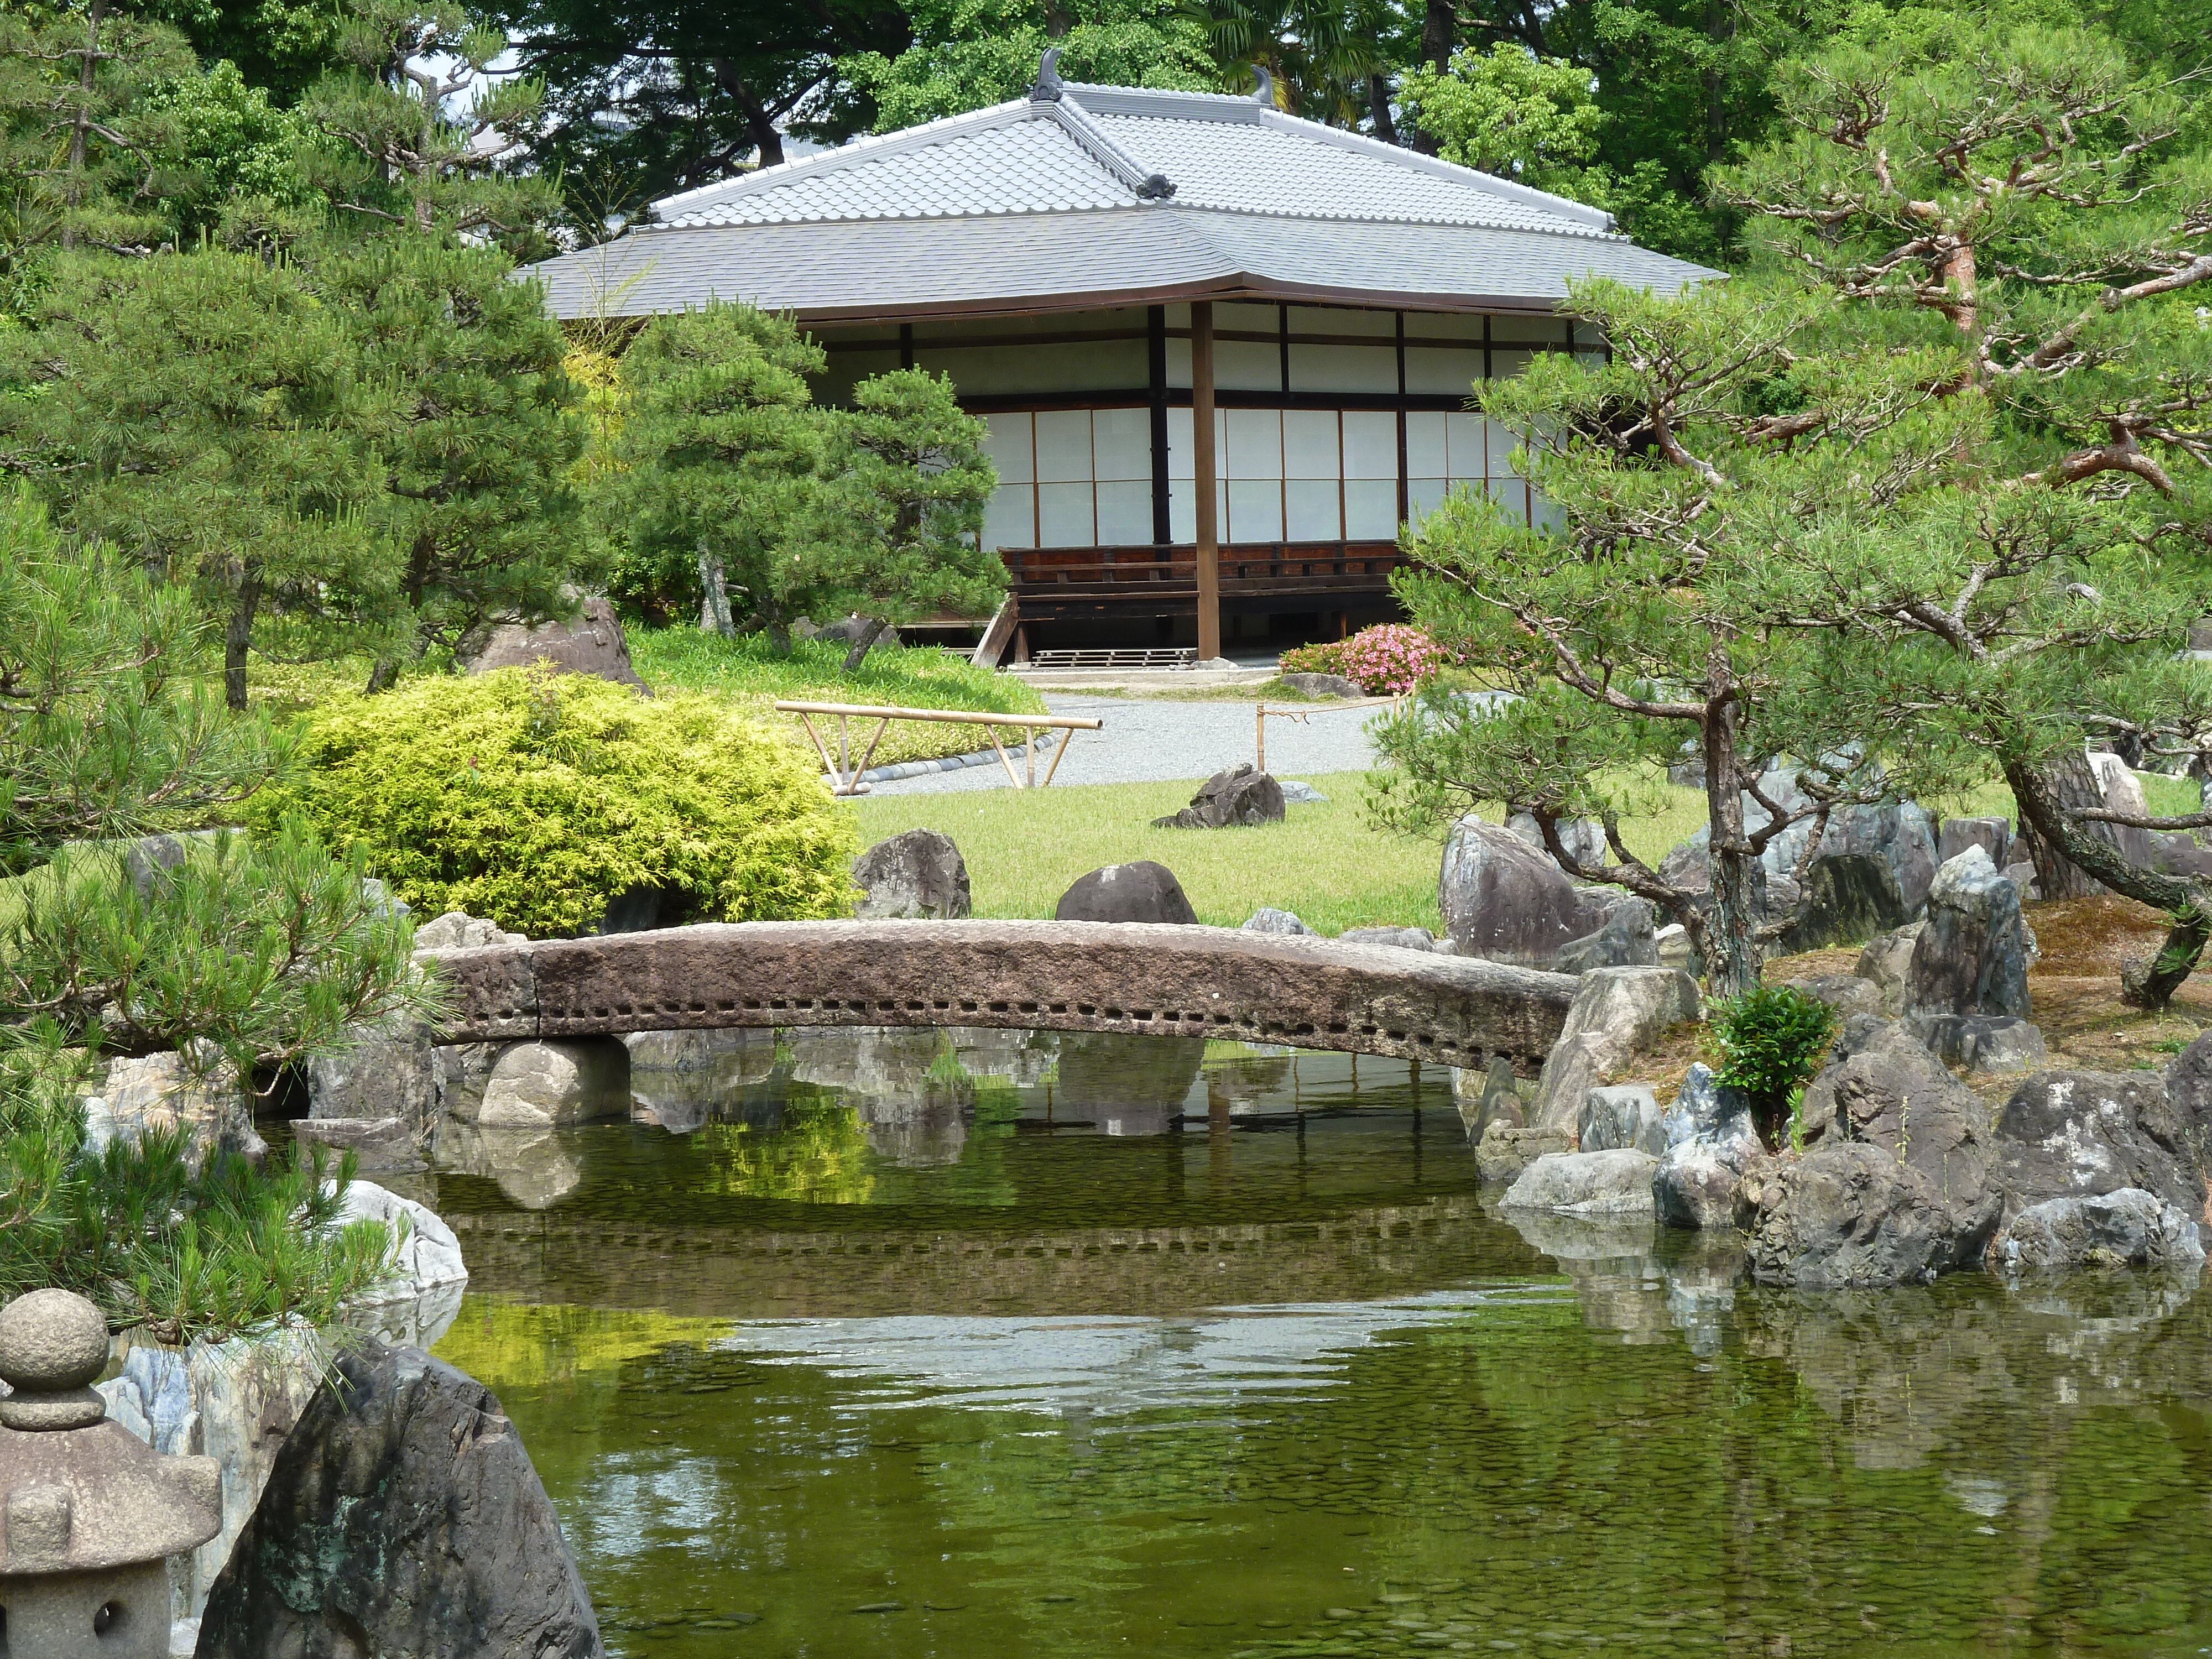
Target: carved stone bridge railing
point(1137, 978)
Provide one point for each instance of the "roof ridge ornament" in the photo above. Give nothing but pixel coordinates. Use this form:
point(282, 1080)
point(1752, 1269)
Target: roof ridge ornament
point(1264, 92)
point(1049, 85)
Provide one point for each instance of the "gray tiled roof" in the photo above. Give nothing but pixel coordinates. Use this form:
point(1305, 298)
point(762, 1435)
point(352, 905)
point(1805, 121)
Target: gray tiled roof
point(1035, 205)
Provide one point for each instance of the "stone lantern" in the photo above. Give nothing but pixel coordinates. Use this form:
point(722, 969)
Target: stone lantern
point(88, 1514)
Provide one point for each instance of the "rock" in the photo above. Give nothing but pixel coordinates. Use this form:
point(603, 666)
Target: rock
point(1898, 1188)
point(592, 644)
point(457, 930)
point(1972, 958)
point(1708, 1108)
point(2021, 874)
point(1901, 836)
point(2081, 1134)
point(1268, 920)
point(1626, 940)
point(2124, 793)
point(1503, 899)
point(847, 632)
point(1142, 891)
point(1403, 939)
point(162, 1092)
point(1301, 794)
point(1887, 962)
point(1584, 838)
point(2182, 1122)
point(1506, 1150)
point(403, 1516)
point(234, 1402)
point(1617, 1183)
point(2126, 1228)
point(1616, 1011)
point(1699, 1183)
point(556, 1081)
point(387, 1145)
point(1848, 897)
point(387, 1073)
point(1241, 797)
point(1979, 1042)
point(422, 1297)
point(1676, 949)
point(1324, 685)
point(679, 1080)
point(919, 873)
point(1847, 994)
point(1498, 1100)
point(1993, 835)
point(1626, 1116)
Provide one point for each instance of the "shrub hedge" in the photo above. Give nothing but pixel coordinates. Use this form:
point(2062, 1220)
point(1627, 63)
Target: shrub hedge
point(534, 799)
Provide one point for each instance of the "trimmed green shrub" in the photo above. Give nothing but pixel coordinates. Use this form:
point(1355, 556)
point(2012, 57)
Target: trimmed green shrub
point(1773, 1040)
point(533, 799)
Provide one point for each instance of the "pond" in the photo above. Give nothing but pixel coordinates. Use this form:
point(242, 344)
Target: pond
point(1002, 1344)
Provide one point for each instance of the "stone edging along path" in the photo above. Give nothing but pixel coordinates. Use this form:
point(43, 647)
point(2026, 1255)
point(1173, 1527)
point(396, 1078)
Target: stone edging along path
point(1144, 979)
point(917, 769)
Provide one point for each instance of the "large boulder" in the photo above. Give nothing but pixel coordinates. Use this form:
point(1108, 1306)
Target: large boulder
point(1848, 897)
point(1627, 940)
point(2082, 1134)
point(1506, 1149)
point(457, 930)
point(1898, 1184)
point(1992, 835)
point(551, 1082)
point(403, 1517)
point(847, 631)
point(2125, 1228)
point(1981, 1043)
point(1901, 835)
point(1617, 1183)
point(1503, 899)
point(2183, 1124)
point(1972, 955)
point(1887, 963)
point(1324, 685)
point(167, 1092)
point(386, 1077)
point(592, 643)
point(420, 1296)
point(1616, 1011)
point(1241, 797)
point(917, 874)
point(1142, 891)
point(1712, 1147)
point(1626, 1116)
point(1584, 838)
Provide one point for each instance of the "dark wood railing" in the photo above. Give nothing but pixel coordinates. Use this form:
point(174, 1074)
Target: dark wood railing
point(1155, 572)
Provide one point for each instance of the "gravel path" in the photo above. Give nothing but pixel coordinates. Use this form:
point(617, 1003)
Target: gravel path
point(1145, 740)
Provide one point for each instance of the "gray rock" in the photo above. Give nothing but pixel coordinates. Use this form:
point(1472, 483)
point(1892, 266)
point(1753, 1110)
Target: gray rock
point(1403, 938)
point(1586, 1183)
point(403, 1516)
point(1707, 1109)
point(457, 930)
point(1699, 1183)
point(1980, 1042)
point(2021, 874)
point(1499, 1100)
point(387, 1073)
point(165, 1091)
point(1268, 920)
point(1898, 1186)
point(1624, 1116)
point(556, 1081)
point(1887, 963)
point(1627, 940)
point(1324, 685)
point(1296, 793)
point(1993, 836)
point(1848, 897)
point(421, 1298)
point(1676, 949)
point(1847, 994)
point(379, 1145)
point(1584, 838)
point(916, 874)
point(1900, 834)
point(1503, 899)
point(2081, 1134)
point(2182, 1123)
point(1142, 891)
point(1239, 798)
point(2126, 1228)
point(591, 644)
point(1616, 1011)
point(1972, 958)
point(1505, 1149)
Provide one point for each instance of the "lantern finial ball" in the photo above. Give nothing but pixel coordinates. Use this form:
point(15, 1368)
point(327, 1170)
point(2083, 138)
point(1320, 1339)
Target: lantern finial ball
point(52, 1340)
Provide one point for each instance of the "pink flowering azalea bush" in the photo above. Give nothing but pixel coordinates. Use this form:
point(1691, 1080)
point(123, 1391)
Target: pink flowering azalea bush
point(1389, 659)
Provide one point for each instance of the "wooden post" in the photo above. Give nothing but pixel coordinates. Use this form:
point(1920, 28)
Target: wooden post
point(1202, 479)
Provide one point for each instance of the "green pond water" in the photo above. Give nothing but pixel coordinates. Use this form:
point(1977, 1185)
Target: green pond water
point(1065, 1362)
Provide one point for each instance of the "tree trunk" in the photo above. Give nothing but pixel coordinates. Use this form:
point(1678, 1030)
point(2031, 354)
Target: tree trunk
point(2073, 785)
point(858, 654)
point(381, 676)
point(714, 612)
point(1735, 956)
point(1439, 35)
point(1378, 105)
point(760, 125)
point(238, 635)
point(2152, 984)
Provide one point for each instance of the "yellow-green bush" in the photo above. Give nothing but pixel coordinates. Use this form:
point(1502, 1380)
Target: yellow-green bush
point(533, 799)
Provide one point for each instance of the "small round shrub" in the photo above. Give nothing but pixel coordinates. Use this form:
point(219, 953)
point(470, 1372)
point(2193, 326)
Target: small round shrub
point(1773, 1040)
point(533, 799)
point(1389, 659)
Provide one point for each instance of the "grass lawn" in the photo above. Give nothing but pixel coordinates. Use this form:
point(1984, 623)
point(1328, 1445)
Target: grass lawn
point(750, 672)
point(1024, 848)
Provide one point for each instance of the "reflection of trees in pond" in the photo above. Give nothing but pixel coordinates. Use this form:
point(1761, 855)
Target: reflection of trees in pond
point(818, 1154)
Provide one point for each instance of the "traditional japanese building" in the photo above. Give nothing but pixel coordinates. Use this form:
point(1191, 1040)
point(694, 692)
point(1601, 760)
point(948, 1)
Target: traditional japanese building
point(1223, 353)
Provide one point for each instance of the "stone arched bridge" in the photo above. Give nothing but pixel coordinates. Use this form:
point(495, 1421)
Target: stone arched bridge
point(1138, 978)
